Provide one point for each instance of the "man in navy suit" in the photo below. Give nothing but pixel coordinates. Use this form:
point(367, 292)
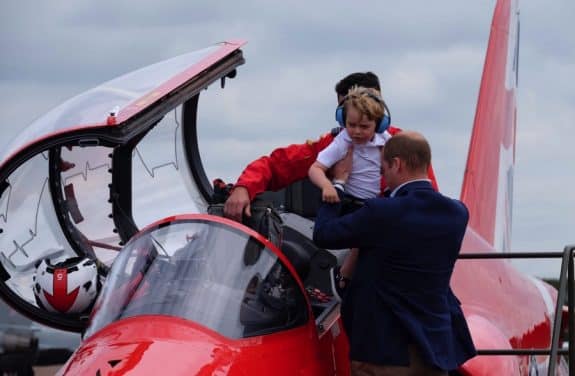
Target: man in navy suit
point(400, 314)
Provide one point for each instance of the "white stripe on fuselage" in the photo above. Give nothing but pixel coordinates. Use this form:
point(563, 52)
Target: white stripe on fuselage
point(545, 294)
point(503, 213)
point(550, 305)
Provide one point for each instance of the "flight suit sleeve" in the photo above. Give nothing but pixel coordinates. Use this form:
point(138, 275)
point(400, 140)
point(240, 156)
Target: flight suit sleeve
point(282, 167)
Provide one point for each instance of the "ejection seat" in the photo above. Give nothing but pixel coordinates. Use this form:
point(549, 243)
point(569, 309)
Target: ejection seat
point(311, 263)
point(266, 221)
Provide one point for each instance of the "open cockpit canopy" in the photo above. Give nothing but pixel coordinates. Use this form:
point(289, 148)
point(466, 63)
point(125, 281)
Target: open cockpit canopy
point(87, 176)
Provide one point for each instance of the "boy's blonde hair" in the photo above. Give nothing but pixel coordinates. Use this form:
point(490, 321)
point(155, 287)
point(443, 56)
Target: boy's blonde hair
point(365, 100)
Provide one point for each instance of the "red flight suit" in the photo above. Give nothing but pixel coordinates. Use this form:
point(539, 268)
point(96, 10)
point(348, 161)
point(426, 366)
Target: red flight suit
point(290, 164)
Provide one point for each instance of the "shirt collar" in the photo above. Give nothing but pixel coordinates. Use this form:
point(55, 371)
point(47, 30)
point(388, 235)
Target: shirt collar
point(378, 139)
point(394, 192)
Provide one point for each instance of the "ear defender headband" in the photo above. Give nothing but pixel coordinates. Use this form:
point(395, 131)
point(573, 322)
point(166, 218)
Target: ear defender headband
point(379, 128)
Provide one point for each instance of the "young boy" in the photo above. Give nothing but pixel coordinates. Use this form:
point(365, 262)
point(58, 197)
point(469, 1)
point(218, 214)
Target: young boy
point(365, 132)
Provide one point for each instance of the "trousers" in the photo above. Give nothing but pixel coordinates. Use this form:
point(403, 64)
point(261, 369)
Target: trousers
point(416, 367)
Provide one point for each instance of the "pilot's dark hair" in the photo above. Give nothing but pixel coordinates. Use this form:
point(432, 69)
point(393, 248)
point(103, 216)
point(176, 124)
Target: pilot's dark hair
point(363, 79)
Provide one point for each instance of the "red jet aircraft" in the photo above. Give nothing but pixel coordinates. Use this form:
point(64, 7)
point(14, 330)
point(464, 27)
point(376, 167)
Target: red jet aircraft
point(197, 294)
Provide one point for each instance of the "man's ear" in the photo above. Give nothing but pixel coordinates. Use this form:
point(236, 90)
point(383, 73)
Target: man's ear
point(397, 163)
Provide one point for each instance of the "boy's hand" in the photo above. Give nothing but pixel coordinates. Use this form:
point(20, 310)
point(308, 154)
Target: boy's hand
point(329, 194)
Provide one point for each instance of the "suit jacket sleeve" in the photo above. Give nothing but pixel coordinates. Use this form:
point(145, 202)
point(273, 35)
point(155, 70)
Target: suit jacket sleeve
point(282, 167)
point(335, 232)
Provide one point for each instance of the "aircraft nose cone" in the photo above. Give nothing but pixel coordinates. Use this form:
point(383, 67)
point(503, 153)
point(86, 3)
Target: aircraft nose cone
point(153, 345)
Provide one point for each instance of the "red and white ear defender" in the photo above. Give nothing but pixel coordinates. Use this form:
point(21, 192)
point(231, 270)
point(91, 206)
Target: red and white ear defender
point(381, 126)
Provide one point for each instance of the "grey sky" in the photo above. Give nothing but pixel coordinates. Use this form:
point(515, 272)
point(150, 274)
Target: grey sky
point(429, 58)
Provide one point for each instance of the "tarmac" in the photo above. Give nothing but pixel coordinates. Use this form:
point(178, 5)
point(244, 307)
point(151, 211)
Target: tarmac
point(46, 371)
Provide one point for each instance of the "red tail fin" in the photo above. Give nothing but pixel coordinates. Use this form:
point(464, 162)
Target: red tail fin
point(488, 181)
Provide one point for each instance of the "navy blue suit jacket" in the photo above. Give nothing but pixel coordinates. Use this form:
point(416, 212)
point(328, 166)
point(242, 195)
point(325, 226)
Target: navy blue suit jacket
point(400, 291)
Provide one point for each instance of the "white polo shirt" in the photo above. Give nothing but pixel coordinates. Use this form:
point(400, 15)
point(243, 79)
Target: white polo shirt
point(365, 177)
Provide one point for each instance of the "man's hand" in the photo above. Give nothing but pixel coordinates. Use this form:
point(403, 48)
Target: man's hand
point(340, 171)
point(237, 204)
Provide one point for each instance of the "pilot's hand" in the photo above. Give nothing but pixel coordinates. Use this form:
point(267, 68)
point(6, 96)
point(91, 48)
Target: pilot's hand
point(237, 204)
point(329, 194)
point(340, 171)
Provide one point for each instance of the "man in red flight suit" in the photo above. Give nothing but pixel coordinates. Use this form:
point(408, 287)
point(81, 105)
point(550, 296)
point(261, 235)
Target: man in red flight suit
point(287, 165)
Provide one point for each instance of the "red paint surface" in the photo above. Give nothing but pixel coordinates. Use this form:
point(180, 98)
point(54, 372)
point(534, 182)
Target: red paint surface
point(152, 345)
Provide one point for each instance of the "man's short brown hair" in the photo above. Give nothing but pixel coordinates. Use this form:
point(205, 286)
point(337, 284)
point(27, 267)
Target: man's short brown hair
point(410, 147)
